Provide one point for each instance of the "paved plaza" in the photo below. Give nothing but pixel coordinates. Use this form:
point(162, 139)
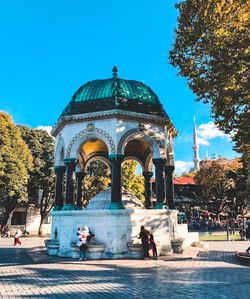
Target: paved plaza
point(27, 272)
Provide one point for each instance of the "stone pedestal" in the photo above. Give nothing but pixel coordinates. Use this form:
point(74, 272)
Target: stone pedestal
point(114, 228)
point(177, 245)
point(136, 251)
point(52, 246)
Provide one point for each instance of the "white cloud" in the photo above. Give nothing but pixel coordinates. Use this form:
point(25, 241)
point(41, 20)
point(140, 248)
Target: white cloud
point(182, 166)
point(208, 131)
point(202, 141)
point(45, 128)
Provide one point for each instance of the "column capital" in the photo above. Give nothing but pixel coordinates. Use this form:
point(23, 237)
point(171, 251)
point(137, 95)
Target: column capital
point(169, 168)
point(116, 157)
point(69, 161)
point(159, 161)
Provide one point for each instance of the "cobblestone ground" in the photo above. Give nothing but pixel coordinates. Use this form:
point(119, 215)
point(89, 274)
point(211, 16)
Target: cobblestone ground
point(27, 272)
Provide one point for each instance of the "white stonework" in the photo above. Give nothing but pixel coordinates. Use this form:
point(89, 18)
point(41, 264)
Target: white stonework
point(189, 237)
point(114, 228)
point(102, 201)
point(110, 136)
point(111, 132)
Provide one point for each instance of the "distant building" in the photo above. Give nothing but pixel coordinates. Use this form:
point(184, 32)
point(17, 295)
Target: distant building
point(185, 192)
point(27, 217)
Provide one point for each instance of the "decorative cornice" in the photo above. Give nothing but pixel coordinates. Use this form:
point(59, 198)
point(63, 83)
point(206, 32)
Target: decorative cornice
point(89, 130)
point(140, 117)
point(141, 129)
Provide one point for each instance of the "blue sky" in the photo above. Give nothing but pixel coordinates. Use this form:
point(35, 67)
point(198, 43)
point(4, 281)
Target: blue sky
point(50, 48)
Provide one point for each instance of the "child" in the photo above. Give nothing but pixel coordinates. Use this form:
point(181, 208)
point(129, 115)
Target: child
point(153, 245)
point(83, 238)
point(17, 237)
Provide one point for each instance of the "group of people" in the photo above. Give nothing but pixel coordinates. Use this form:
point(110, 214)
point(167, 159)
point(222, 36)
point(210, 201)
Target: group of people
point(147, 240)
point(84, 236)
point(204, 220)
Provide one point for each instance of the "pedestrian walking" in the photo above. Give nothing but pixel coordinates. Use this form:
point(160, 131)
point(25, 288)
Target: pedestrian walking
point(17, 236)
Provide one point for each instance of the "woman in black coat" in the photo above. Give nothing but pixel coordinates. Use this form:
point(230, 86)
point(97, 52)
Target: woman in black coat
point(144, 236)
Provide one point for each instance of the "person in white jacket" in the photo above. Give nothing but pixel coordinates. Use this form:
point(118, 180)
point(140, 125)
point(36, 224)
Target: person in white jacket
point(17, 236)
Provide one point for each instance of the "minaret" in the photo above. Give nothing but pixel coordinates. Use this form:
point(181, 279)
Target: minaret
point(196, 149)
point(206, 158)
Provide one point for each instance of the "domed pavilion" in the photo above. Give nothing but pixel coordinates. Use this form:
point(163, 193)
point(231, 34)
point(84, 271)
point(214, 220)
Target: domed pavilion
point(112, 120)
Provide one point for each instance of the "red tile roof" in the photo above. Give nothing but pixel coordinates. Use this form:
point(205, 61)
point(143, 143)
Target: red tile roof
point(184, 181)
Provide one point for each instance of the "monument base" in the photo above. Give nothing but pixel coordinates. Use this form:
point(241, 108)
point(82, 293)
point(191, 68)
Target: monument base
point(116, 229)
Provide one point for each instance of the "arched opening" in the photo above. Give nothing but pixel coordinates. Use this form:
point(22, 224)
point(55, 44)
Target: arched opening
point(136, 176)
point(96, 179)
point(95, 169)
point(132, 178)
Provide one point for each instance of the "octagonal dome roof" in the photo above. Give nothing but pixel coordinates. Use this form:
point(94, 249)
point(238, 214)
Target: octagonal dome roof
point(114, 93)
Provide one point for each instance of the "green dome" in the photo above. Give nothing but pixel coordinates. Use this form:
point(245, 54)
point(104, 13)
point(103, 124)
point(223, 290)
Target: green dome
point(114, 93)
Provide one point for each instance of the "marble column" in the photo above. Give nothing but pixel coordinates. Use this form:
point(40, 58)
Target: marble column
point(116, 184)
point(147, 186)
point(60, 171)
point(70, 184)
point(79, 190)
point(169, 186)
point(159, 181)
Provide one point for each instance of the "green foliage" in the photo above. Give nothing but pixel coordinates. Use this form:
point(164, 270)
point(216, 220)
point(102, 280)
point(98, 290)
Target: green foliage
point(15, 163)
point(216, 184)
point(132, 182)
point(238, 195)
point(96, 180)
point(42, 176)
point(212, 51)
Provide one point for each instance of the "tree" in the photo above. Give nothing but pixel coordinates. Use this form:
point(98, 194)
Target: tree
point(96, 180)
point(212, 51)
point(215, 183)
point(42, 176)
point(15, 164)
point(238, 195)
point(132, 182)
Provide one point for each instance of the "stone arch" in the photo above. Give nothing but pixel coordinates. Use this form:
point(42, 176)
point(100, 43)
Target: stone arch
point(97, 157)
point(60, 152)
point(156, 146)
point(135, 159)
point(170, 152)
point(89, 133)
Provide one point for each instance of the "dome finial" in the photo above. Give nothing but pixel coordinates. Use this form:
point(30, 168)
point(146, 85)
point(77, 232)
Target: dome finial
point(115, 70)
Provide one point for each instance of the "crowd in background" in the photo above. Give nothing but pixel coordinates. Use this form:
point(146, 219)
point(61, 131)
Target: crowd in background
point(203, 220)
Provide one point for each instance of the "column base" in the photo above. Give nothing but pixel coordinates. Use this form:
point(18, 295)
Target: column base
point(115, 206)
point(148, 206)
point(57, 208)
point(69, 207)
point(160, 206)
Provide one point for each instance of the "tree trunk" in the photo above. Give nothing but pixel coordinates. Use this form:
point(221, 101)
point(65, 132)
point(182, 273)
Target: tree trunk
point(4, 220)
point(41, 225)
point(10, 205)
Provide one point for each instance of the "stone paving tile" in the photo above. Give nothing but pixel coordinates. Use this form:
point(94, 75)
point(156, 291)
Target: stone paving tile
point(213, 273)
